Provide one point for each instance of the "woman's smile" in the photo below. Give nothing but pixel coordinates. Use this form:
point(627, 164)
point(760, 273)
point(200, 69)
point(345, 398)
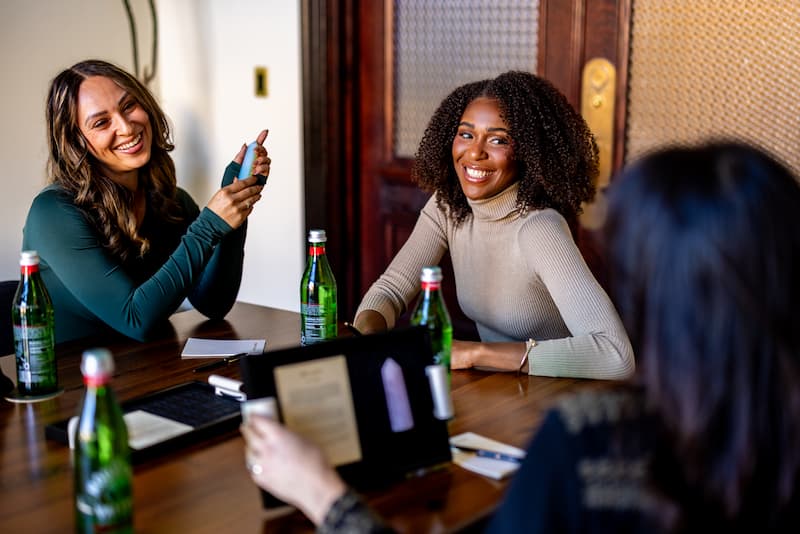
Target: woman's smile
point(482, 151)
point(116, 127)
point(476, 175)
point(128, 147)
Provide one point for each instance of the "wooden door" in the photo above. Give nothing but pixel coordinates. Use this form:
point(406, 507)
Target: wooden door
point(360, 188)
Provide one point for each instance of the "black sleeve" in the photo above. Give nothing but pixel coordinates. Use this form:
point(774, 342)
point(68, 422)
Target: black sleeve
point(544, 493)
point(349, 514)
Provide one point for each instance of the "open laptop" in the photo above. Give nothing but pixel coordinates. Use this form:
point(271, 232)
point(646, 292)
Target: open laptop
point(366, 401)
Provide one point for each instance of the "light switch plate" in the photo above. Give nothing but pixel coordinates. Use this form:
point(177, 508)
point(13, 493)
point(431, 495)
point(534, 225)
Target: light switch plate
point(260, 82)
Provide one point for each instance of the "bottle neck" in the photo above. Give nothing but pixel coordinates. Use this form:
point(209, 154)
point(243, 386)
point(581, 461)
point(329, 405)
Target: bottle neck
point(431, 286)
point(316, 249)
point(27, 270)
point(96, 381)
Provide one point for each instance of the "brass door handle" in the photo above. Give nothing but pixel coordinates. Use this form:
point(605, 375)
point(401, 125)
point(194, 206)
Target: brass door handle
point(598, 91)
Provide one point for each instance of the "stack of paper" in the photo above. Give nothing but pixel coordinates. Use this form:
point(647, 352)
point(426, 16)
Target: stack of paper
point(220, 348)
point(465, 446)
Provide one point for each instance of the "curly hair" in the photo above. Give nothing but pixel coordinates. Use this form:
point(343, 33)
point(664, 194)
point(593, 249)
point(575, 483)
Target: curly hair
point(71, 165)
point(554, 150)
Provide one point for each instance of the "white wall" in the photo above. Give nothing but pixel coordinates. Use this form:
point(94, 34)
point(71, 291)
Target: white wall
point(39, 38)
point(207, 52)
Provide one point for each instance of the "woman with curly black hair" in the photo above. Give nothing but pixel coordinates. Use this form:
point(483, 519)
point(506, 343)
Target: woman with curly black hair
point(121, 245)
point(509, 162)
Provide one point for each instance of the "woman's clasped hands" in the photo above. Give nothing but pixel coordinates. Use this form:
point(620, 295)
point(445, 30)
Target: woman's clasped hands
point(234, 202)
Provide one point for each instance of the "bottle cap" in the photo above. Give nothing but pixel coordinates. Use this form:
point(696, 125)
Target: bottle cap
point(431, 274)
point(29, 257)
point(97, 363)
point(317, 236)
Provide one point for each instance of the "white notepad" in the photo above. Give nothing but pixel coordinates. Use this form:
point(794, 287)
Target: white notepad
point(146, 429)
point(220, 348)
point(489, 467)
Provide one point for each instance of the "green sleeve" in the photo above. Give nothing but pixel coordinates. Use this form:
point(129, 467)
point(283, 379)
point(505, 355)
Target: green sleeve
point(218, 287)
point(70, 246)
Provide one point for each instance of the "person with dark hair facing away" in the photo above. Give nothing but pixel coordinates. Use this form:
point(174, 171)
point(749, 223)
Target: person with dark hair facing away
point(509, 162)
point(704, 245)
point(121, 245)
point(704, 249)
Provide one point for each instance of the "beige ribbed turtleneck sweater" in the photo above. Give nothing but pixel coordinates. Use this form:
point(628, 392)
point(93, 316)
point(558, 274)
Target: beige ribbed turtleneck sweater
point(517, 277)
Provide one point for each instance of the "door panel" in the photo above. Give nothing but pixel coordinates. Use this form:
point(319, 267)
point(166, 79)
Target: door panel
point(574, 33)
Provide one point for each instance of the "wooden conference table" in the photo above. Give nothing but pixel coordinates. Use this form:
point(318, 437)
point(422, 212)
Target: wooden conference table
point(205, 488)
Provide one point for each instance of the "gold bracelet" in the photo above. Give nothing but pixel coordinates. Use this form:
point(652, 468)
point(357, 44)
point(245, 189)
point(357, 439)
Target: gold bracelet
point(528, 347)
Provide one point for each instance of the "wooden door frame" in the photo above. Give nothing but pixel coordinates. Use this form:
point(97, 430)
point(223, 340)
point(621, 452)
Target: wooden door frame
point(331, 138)
point(609, 37)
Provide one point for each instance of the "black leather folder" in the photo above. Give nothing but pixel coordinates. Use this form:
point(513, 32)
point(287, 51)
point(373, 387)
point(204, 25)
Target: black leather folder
point(192, 403)
point(386, 454)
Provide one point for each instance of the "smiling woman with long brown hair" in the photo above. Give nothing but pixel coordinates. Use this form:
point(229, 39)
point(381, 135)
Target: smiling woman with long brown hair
point(120, 244)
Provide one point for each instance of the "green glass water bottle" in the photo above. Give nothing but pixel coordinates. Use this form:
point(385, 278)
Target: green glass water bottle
point(34, 331)
point(318, 306)
point(431, 311)
point(102, 462)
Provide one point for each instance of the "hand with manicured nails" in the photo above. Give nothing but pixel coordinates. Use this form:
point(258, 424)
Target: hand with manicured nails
point(234, 202)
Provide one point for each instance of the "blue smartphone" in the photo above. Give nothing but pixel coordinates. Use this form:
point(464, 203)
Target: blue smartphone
point(249, 162)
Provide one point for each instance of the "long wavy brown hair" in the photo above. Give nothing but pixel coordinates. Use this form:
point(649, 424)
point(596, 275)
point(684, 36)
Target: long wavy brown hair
point(554, 150)
point(109, 205)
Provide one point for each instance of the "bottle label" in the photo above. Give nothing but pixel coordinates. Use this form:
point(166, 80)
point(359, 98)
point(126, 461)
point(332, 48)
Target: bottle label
point(430, 311)
point(316, 250)
point(36, 361)
point(317, 323)
point(105, 502)
point(441, 343)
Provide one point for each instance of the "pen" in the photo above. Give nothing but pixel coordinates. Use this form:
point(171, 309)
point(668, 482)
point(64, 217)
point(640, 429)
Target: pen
point(220, 363)
point(425, 470)
point(355, 331)
point(494, 455)
point(498, 456)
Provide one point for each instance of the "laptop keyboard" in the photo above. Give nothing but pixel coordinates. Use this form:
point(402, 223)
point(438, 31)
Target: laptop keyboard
point(192, 406)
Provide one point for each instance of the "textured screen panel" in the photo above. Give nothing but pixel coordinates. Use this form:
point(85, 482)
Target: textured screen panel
point(715, 68)
point(441, 44)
